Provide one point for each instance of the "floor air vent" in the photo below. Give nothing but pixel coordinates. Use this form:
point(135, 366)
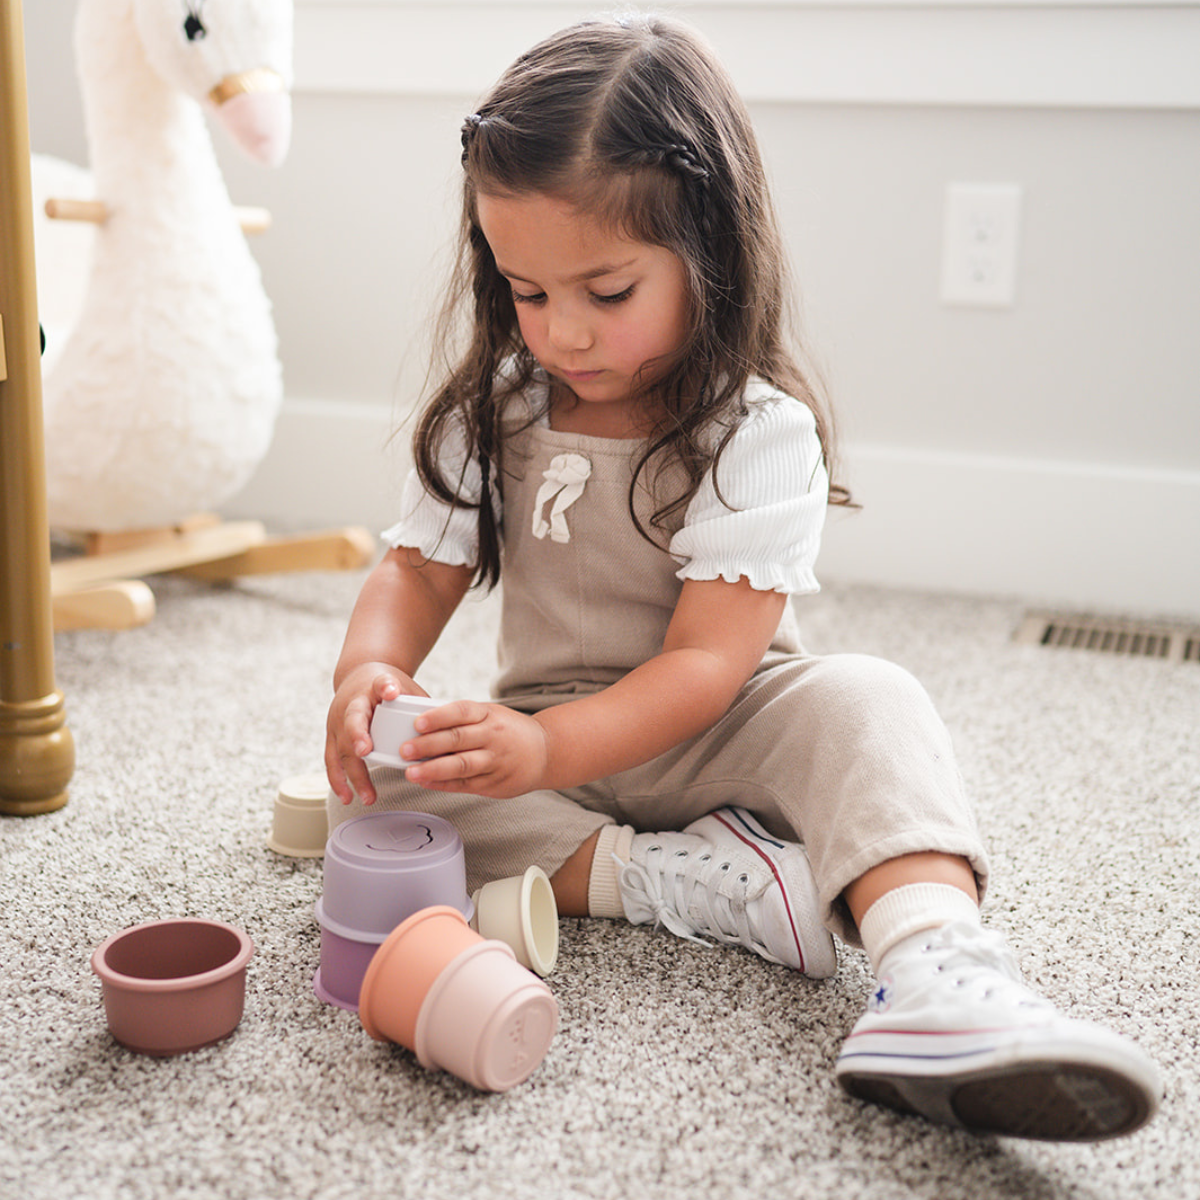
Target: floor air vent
point(1134, 639)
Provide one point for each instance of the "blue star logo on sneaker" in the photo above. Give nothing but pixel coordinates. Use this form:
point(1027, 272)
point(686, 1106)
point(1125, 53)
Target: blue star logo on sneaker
point(881, 997)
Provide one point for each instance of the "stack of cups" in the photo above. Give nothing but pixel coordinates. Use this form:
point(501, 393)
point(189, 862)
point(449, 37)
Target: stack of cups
point(396, 946)
point(379, 870)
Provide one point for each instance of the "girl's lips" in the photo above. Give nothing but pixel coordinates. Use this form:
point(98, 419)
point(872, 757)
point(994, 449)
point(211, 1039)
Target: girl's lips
point(579, 376)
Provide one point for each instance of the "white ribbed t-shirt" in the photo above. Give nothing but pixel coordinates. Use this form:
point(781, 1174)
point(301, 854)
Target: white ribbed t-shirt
point(765, 524)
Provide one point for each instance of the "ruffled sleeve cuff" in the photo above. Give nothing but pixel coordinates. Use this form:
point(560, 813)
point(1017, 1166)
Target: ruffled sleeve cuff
point(440, 532)
point(773, 478)
point(444, 533)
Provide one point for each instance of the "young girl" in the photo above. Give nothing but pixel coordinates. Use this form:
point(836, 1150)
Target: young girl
point(628, 440)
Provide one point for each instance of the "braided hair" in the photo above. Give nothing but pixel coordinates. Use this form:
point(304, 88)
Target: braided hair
point(634, 122)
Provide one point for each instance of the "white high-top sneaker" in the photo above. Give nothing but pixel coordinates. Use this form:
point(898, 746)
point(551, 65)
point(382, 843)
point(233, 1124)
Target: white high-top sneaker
point(726, 879)
point(952, 1034)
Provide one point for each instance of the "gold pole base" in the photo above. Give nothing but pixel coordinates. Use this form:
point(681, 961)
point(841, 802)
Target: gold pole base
point(37, 756)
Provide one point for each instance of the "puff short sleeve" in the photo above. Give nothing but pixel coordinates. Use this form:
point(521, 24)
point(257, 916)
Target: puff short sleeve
point(775, 489)
point(442, 532)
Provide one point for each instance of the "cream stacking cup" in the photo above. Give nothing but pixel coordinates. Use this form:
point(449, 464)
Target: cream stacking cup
point(460, 1002)
point(379, 870)
point(299, 826)
point(522, 913)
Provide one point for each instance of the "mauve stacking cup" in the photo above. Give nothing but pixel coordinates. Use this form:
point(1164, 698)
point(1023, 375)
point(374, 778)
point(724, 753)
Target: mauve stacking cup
point(173, 986)
point(379, 870)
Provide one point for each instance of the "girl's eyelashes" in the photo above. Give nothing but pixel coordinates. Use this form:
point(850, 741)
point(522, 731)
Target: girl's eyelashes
point(540, 297)
point(616, 297)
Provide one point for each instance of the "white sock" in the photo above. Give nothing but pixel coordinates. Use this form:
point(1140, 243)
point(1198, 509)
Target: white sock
point(604, 896)
point(910, 909)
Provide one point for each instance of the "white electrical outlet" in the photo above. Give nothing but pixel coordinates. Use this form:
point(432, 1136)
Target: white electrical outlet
point(979, 251)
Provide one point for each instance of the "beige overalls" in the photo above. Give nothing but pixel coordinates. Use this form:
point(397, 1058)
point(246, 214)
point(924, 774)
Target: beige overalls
point(844, 752)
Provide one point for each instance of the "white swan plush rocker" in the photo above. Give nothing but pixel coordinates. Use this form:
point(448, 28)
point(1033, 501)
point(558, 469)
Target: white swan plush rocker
point(161, 378)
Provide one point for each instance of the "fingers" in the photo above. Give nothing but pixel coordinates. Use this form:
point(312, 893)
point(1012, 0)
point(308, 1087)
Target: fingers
point(386, 686)
point(348, 774)
point(451, 729)
point(348, 733)
point(452, 772)
point(491, 750)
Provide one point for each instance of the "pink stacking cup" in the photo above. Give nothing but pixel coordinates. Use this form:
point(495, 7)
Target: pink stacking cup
point(460, 1002)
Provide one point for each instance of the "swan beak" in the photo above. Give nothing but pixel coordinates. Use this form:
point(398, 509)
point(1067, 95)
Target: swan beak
point(256, 110)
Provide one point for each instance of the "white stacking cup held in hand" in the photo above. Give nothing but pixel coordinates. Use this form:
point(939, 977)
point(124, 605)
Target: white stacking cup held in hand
point(521, 912)
point(392, 726)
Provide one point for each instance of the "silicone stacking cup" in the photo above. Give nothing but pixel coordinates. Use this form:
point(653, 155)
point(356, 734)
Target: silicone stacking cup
point(344, 962)
point(521, 912)
point(379, 870)
point(460, 1002)
point(392, 726)
point(299, 826)
point(173, 986)
point(383, 867)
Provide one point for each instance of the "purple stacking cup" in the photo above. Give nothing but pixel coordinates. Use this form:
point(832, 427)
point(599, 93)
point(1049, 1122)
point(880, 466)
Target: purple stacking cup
point(379, 870)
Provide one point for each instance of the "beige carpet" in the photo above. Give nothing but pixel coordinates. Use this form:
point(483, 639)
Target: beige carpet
point(678, 1071)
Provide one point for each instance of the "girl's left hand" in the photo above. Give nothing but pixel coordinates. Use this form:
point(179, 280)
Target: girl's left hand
point(481, 749)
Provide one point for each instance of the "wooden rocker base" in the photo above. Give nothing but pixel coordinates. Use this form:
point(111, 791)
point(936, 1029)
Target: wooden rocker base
point(101, 588)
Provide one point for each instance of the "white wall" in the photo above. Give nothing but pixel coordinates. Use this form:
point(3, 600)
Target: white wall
point(1050, 449)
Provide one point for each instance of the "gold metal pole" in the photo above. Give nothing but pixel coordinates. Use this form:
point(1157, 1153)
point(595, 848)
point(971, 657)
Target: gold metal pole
point(37, 752)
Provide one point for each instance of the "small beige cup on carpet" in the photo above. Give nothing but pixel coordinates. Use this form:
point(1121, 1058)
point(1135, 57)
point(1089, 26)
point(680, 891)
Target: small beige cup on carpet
point(521, 912)
point(299, 827)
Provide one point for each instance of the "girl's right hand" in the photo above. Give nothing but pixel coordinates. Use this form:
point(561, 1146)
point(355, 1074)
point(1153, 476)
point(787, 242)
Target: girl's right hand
point(348, 727)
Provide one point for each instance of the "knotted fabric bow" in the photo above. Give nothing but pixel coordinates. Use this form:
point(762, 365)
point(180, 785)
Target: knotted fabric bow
point(565, 479)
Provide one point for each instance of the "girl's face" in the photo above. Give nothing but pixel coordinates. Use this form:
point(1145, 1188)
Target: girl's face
point(594, 307)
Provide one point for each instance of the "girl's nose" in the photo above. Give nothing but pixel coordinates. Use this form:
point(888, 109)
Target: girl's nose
point(569, 329)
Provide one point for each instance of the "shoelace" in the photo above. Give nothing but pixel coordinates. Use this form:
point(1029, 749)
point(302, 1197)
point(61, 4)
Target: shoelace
point(683, 896)
point(973, 954)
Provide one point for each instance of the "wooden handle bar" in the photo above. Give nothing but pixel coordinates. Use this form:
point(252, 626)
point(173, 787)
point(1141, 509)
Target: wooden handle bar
point(252, 220)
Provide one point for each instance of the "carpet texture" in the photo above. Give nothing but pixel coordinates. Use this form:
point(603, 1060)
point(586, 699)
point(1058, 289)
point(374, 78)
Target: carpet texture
point(678, 1070)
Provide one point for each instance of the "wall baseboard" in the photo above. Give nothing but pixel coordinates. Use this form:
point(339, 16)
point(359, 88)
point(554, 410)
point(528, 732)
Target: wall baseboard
point(1094, 537)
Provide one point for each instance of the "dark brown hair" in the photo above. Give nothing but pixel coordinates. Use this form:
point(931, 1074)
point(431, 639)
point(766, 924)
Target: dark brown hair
point(636, 123)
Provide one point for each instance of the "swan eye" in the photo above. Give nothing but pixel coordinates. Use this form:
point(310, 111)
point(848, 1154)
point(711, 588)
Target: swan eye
point(193, 27)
